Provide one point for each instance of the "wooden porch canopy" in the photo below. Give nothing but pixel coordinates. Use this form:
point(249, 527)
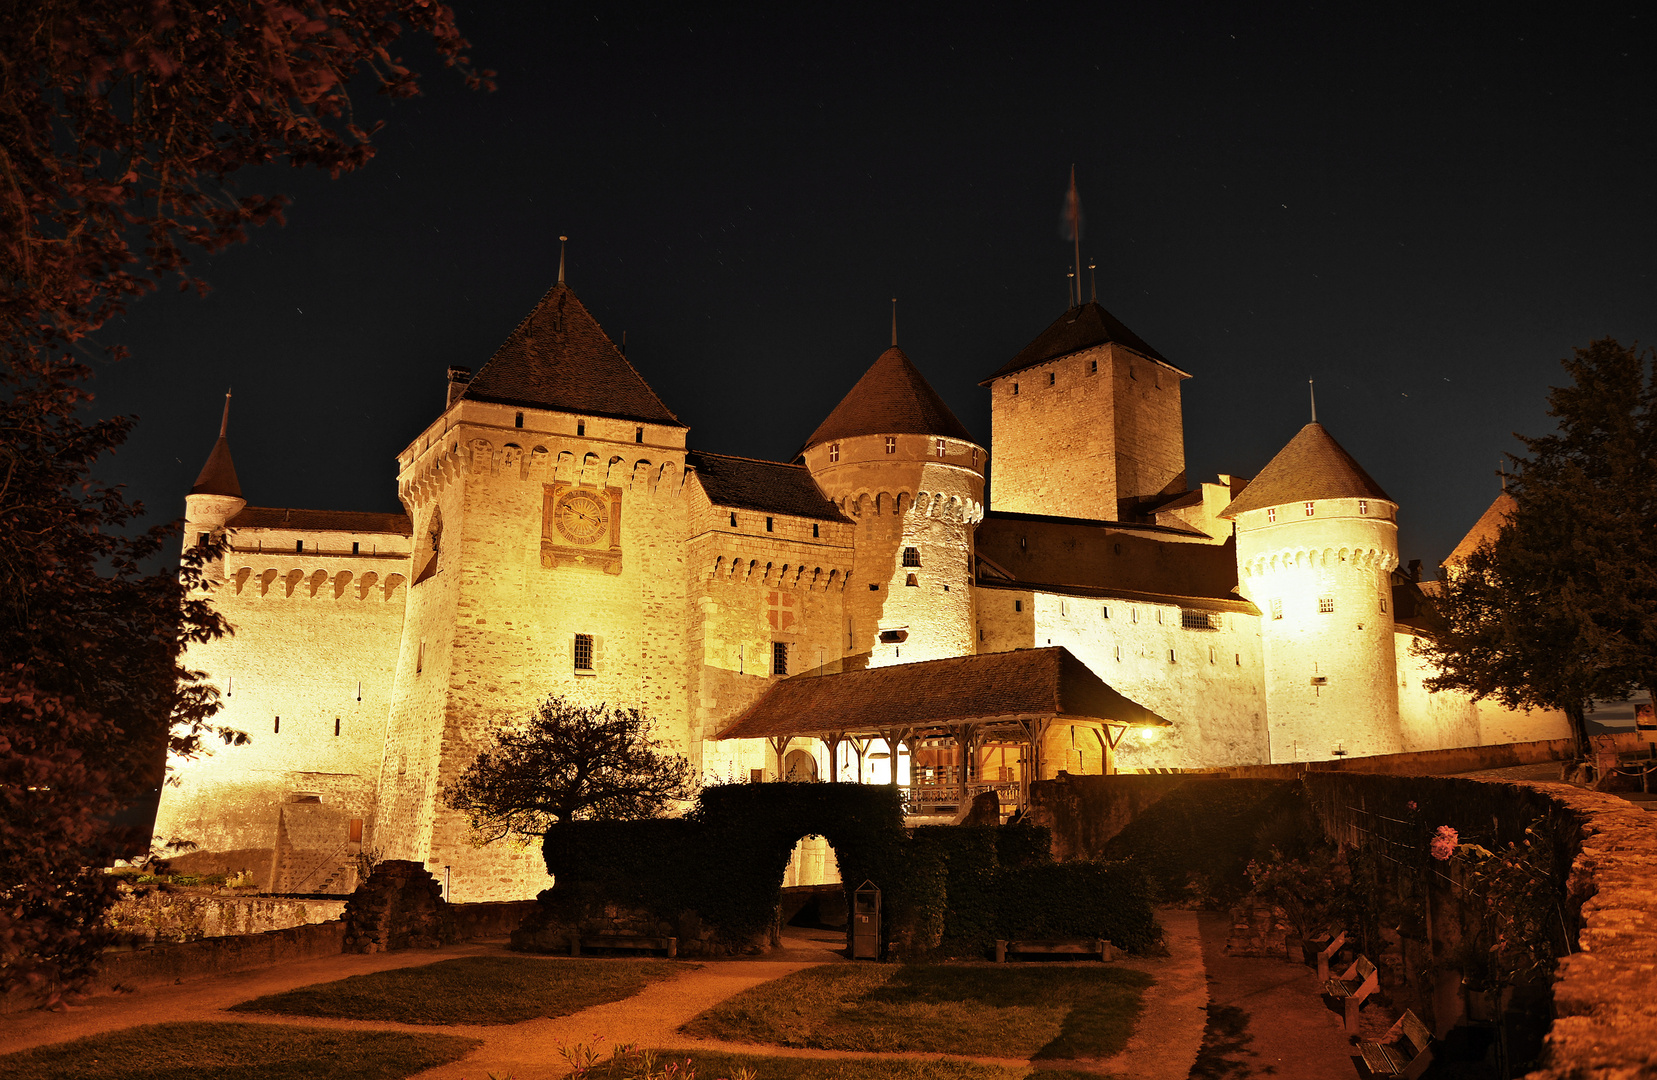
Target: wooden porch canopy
point(990, 697)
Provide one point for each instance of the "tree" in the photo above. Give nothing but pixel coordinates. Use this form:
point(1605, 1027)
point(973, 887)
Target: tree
point(122, 127)
point(1560, 607)
point(570, 762)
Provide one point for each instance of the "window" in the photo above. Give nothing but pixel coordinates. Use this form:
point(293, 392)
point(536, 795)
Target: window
point(1199, 620)
point(980, 633)
point(356, 547)
point(638, 434)
point(1383, 604)
point(518, 421)
point(583, 652)
point(1326, 605)
point(1118, 653)
point(975, 457)
point(834, 452)
point(940, 447)
point(299, 546)
point(779, 658)
point(1309, 507)
point(733, 520)
point(1363, 506)
point(336, 727)
point(1133, 615)
point(874, 586)
point(1277, 609)
point(1018, 605)
point(911, 556)
point(1171, 656)
point(1271, 515)
point(911, 581)
point(1159, 616)
point(1015, 389)
point(815, 531)
point(1211, 654)
point(276, 729)
point(1093, 367)
point(1106, 609)
point(1238, 657)
point(581, 427)
point(891, 444)
point(770, 524)
point(420, 659)
point(203, 539)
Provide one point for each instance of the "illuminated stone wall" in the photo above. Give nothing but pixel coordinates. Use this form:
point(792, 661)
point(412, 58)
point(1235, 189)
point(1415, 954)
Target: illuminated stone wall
point(1432, 721)
point(1074, 435)
point(1322, 584)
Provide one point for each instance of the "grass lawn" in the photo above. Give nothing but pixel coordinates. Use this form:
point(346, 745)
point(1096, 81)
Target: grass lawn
point(228, 1051)
point(715, 1066)
point(471, 990)
point(1052, 1011)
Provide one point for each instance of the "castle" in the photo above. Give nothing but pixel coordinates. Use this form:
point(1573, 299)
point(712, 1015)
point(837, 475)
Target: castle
point(560, 536)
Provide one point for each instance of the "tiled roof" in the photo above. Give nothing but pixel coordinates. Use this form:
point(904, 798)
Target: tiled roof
point(1071, 553)
point(892, 398)
point(1028, 684)
point(1075, 330)
point(749, 484)
point(352, 521)
point(560, 358)
point(218, 476)
point(1313, 466)
point(1485, 529)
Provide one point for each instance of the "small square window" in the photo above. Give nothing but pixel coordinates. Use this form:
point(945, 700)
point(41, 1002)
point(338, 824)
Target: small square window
point(1326, 605)
point(203, 539)
point(891, 444)
point(518, 421)
point(1277, 609)
point(1309, 507)
point(779, 658)
point(583, 652)
point(1363, 506)
point(1018, 605)
point(770, 524)
point(911, 556)
point(874, 586)
point(299, 546)
point(834, 452)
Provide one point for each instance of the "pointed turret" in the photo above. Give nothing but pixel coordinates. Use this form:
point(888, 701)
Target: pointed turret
point(560, 359)
point(216, 496)
point(1312, 467)
point(892, 398)
point(1484, 530)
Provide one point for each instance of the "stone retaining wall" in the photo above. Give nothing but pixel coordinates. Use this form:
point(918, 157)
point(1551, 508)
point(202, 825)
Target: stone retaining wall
point(174, 915)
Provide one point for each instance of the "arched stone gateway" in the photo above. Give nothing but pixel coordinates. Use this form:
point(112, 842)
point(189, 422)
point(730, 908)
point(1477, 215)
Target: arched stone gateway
point(713, 879)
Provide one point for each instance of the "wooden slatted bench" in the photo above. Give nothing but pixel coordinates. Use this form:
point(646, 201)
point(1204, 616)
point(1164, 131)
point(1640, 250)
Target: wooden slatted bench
point(1406, 1052)
point(641, 942)
point(1351, 988)
point(1099, 947)
point(1326, 953)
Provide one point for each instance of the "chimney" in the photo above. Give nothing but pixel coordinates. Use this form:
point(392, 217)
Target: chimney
point(458, 378)
point(1415, 570)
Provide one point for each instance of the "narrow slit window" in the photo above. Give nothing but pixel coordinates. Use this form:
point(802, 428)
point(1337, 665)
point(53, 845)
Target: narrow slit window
point(580, 427)
point(356, 547)
point(1383, 604)
point(638, 435)
point(1052, 377)
point(733, 521)
point(1093, 367)
point(1018, 605)
point(770, 524)
point(299, 547)
point(518, 421)
point(276, 728)
point(420, 659)
point(816, 531)
point(583, 652)
point(1015, 389)
point(336, 727)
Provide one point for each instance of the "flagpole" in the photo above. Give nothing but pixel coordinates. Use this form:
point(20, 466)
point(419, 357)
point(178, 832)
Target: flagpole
point(1076, 230)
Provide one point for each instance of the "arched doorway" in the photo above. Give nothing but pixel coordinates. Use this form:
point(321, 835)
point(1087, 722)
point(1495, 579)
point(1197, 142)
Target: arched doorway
point(799, 766)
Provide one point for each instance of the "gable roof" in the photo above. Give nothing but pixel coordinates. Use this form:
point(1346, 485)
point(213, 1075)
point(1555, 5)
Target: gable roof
point(892, 398)
point(1025, 684)
point(750, 484)
point(1313, 466)
point(559, 358)
point(1484, 530)
point(1075, 330)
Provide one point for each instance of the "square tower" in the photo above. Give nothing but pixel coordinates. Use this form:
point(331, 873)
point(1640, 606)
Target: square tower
point(1085, 422)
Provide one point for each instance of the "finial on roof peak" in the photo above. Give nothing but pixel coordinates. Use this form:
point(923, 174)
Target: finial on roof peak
point(894, 322)
point(562, 240)
point(1313, 391)
point(1093, 279)
point(224, 422)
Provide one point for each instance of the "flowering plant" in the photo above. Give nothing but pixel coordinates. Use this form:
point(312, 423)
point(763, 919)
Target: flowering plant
point(1445, 841)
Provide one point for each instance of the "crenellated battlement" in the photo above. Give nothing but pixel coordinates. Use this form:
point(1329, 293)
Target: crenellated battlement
point(298, 583)
point(1377, 560)
point(943, 506)
point(737, 570)
point(572, 463)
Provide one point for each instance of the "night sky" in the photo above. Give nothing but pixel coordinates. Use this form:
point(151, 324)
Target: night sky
point(1422, 212)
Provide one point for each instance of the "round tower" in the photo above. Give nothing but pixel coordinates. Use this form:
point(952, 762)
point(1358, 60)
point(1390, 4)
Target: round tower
point(898, 462)
point(216, 496)
point(1317, 540)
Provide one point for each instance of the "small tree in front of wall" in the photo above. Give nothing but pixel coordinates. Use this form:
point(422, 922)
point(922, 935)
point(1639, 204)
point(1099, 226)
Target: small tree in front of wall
point(1314, 892)
point(570, 762)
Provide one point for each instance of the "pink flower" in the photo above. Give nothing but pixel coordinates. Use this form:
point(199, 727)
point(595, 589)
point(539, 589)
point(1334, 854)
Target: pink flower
point(1444, 843)
point(1412, 805)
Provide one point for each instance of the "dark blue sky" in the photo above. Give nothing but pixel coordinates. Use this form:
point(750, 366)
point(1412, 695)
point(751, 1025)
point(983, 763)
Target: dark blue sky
point(1423, 211)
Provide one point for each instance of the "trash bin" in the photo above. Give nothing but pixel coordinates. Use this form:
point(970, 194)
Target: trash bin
point(866, 922)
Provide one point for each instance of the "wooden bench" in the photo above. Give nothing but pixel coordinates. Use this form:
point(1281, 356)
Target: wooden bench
point(1351, 988)
point(1327, 953)
point(624, 941)
point(1055, 947)
point(1406, 1051)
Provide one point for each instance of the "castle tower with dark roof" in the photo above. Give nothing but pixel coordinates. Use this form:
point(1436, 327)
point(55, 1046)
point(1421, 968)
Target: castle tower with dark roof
point(896, 460)
point(216, 496)
point(1086, 422)
point(1317, 540)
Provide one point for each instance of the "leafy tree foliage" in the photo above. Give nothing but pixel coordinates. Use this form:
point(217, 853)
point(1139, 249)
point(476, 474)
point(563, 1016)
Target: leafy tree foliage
point(570, 762)
point(122, 127)
point(1561, 607)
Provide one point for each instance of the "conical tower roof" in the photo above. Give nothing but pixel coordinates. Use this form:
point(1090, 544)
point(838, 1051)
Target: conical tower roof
point(1077, 329)
point(1313, 466)
point(892, 398)
point(560, 358)
point(218, 476)
point(1485, 529)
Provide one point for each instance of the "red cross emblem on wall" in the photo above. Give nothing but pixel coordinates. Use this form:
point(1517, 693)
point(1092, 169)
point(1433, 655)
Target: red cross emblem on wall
point(779, 609)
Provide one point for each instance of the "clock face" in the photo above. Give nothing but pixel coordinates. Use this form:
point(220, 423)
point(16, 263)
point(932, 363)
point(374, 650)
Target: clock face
point(582, 517)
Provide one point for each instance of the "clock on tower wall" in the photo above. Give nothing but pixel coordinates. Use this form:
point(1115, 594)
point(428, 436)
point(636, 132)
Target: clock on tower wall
point(581, 527)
